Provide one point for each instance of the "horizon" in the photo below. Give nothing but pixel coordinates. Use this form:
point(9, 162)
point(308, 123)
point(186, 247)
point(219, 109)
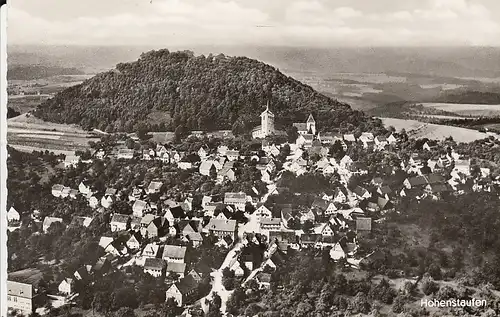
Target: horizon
point(290, 23)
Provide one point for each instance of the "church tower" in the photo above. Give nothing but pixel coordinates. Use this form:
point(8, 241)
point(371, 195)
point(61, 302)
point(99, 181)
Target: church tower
point(311, 125)
point(267, 122)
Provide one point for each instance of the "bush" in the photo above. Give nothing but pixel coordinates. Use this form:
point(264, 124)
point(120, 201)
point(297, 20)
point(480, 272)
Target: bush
point(445, 293)
point(429, 287)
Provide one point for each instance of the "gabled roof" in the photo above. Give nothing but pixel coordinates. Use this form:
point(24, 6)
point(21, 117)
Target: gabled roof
point(222, 225)
point(155, 185)
point(270, 221)
point(147, 219)
point(363, 224)
point(186, 285)
point(310, 119)
point(177, 212)
point(263, 277)
point(300, 126)
point(48, 221)
point(120, 218)
point(174, 251)
point(154, 264)
point(175, 267)
point(320, 203)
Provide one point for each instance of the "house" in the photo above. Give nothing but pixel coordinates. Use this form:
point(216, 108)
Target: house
point(207, 168)
point(66, 286)
point(310, 239)
point(155, 267)
point(136, 194)
point(139, 208)
point(21, 296)
point(13, 215)
point(262, 212)
point(151, 250)
point(462, 167)
point(361, 192)
point(93, 202)
point(134, 242)
point(363, 224)
point(239, 200)
point(119, 222)
point(174, 253)
point(106, 201)
point(48, 221)
point(57, 190)
point(326, 229)
point(102, 266)
point(305, 140)
point(233, 155)
point(436, 191)
point(226, 172)
point(237, 269)
point(367, 139)
point(345, 162)
point(82, 274)
point(282, 238)
point(195, 275)
point(71, 161)
point(81, 221)
point(339, 195)
point(175, 214)
point(391, 139)
point(135, 223)
point(176, 268)
point(270, 223)
point(148, 154)
point(84, 189)
point(203, 152)
point(286, 215)
point(154, 187)
point(155, 227)
point(415, 182)
point(125, 154)
point(222, 228)
point(263, 279)
point(182, 291)
point(349, 138)
point(381, 141)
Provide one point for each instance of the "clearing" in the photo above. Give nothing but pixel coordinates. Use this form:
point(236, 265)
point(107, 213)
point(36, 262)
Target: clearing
point(419, 130)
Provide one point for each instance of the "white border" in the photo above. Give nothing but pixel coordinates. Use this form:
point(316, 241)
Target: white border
point(3, 159)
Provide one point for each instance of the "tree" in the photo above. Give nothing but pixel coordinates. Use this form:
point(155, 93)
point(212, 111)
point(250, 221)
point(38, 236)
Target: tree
point(124, 312)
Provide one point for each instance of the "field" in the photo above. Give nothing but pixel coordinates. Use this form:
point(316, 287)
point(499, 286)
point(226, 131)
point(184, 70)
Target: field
point(417, 129)
point(28, 134)
point(466, 109)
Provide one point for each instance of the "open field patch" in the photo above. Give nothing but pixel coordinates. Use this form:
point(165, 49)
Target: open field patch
point(466, 109)
point(418, 130)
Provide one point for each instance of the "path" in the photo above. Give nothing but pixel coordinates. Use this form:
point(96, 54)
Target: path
point(217, 286)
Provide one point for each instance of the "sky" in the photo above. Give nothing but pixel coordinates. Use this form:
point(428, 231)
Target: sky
point(322, 23)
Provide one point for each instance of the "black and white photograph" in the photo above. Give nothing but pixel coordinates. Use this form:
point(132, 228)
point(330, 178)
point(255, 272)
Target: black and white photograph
point(250, 158)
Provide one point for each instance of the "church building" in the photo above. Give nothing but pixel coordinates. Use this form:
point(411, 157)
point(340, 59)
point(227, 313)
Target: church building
point(267, 125)
point(306, 128)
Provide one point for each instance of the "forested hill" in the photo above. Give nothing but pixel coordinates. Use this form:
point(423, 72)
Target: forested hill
point(169, 89)
point(470, 97)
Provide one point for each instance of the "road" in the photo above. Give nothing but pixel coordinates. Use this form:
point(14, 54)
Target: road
point(217, 286)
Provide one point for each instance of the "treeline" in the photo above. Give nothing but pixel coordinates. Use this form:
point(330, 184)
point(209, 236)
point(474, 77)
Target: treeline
point(472, 97)
point(31, 72)
point(165, 90)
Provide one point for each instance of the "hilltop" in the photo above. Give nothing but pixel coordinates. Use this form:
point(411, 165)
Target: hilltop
point(164, 90)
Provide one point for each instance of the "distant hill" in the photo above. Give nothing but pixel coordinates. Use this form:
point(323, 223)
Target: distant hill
point(470, 97)
point(30, 72)
point(166, 90)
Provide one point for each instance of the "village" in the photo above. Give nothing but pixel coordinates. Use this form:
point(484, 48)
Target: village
point(255, 229)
